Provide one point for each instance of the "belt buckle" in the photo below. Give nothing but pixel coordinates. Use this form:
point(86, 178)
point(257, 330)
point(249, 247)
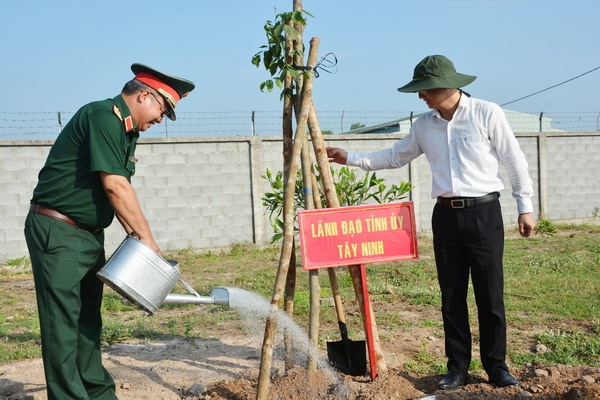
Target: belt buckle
point(457, 203)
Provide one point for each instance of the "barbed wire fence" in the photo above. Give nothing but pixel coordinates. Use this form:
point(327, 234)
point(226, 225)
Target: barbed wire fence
point(47, 125)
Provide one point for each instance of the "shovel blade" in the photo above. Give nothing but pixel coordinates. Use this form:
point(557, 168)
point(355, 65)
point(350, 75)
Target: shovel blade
point(349, 357)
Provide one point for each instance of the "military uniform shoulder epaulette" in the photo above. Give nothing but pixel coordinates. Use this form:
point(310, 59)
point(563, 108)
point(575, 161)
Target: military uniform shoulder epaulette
point(127, 122)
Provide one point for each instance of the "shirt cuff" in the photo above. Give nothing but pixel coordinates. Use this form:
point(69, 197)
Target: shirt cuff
point(524, 206)
point(352, 159)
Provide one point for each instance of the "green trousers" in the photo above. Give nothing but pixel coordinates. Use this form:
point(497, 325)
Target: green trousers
point(65, 260)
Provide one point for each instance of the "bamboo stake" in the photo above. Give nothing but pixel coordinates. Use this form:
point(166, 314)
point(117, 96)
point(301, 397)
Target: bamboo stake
point(288, 210)
point(315, 185)
point(333, 201)
point(313, 275)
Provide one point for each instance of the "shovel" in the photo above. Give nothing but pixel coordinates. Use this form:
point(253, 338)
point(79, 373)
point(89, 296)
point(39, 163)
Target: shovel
point(348, 356)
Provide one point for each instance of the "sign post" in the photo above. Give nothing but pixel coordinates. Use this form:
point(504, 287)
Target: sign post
point(358, 235)
point(368, 323)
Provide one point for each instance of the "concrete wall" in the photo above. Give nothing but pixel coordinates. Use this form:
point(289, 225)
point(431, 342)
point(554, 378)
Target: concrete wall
point(205, 193)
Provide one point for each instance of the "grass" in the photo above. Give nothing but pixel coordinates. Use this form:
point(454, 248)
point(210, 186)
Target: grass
point(551, 284)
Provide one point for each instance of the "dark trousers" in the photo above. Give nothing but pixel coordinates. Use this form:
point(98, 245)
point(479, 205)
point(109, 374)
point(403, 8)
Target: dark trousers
point(69, 295)
point(471, 241)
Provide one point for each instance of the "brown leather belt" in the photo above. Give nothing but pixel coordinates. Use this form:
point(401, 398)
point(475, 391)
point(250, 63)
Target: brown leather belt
point(48, 212)
point(463, 202)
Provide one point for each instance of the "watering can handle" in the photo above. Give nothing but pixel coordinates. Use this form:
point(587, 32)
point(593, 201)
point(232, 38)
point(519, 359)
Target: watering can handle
point(189, 288)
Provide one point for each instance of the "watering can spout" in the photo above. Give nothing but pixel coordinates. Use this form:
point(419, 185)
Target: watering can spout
point(219, 296)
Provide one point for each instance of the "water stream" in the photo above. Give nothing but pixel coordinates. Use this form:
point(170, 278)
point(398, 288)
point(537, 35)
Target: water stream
point(255, 309)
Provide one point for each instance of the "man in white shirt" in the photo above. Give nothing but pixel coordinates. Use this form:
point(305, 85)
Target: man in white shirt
point(465, 140)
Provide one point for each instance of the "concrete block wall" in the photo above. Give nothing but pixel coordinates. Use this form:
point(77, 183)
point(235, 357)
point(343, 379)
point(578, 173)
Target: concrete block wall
point(205, 193)
point(19, 167)
point(573, 176)
point(182, 191)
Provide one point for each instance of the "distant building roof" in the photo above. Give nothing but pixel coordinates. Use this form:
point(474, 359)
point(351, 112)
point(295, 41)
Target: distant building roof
point(518, 121)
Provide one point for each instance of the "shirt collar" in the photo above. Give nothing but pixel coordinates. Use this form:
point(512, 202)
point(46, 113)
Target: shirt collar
point(122, 111)
point(463, 102)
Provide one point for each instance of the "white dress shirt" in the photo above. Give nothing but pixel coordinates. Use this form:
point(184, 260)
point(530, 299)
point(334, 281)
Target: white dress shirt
point(464, 153)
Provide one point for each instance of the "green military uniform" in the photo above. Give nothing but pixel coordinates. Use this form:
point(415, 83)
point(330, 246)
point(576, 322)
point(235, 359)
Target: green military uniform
point(101, 136)
point(64, 233)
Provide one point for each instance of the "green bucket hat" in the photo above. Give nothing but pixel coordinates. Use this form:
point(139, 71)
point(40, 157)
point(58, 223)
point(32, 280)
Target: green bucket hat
point(436, 72)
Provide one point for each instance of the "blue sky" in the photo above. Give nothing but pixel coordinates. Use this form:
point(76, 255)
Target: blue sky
point(58, 55)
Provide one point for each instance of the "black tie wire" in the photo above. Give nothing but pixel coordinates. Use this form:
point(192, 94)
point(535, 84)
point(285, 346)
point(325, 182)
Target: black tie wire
point(327, 63)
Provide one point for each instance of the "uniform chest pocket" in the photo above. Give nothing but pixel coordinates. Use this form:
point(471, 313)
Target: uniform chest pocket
point(130, 160)
point(130, 164)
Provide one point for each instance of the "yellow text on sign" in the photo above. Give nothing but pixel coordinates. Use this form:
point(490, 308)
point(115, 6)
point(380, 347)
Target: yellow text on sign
point(352, 250)
point(356, 226)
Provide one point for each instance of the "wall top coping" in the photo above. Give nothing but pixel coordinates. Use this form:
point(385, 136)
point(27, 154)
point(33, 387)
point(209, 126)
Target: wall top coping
point(229, 139)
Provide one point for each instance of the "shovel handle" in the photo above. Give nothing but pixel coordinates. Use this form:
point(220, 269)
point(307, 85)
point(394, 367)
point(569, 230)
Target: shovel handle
point(343, 331)
point(337, 298)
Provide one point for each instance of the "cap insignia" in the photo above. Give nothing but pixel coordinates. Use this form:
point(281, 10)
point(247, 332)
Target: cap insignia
point(168, 97)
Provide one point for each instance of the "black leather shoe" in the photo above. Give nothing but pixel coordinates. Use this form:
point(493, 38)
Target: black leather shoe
point(502, 378)
point(452, 380)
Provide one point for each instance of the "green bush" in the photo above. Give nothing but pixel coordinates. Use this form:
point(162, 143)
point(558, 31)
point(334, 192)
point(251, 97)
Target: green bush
point(351, 190)
point(545, 227)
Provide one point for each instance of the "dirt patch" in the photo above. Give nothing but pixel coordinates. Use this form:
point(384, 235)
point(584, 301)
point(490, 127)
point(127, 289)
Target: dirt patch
point(228, 368)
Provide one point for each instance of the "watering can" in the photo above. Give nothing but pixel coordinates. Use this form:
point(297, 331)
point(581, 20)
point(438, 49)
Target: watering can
point(145, 279)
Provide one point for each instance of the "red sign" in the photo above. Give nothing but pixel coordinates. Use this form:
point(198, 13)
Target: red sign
point(334, 237)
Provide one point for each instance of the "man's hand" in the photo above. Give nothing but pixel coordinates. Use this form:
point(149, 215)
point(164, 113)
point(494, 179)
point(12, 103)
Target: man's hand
point(149, 241)
point(526, 224)
point(337, 155)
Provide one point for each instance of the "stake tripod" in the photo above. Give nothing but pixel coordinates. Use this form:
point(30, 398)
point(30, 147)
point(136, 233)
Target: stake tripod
point(285, 279)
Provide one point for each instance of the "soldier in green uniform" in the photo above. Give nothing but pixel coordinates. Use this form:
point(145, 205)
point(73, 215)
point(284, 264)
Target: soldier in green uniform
point(84, 184)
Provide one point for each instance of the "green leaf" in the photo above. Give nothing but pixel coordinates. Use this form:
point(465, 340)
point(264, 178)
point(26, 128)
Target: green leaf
point(269, 84)
point(273, 55)
point(256, 60)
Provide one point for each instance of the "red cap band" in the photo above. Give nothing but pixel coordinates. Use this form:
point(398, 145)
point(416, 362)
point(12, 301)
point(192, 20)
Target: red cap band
point(156, 84)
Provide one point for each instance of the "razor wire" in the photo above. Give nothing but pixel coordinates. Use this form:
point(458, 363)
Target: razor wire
point(47, 125)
